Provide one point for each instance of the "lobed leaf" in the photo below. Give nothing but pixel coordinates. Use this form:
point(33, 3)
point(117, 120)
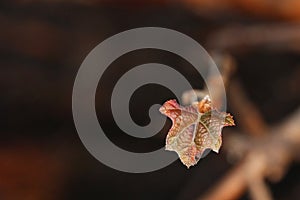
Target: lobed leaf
point(195, 128)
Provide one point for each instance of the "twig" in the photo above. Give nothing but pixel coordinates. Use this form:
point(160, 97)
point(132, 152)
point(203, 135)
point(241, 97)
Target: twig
point(226, 67)
point(282, 37)
point(269, 158)
point(249, 117)
point(258, 189)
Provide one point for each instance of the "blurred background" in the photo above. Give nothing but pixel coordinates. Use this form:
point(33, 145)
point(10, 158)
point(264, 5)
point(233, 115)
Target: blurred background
point(256, 43)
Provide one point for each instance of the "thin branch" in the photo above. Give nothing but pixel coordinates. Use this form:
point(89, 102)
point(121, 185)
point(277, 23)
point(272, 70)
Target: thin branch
point(249, 117)
point(269, 159)
point(259, 189)
point(280, 37)
point(226, 68)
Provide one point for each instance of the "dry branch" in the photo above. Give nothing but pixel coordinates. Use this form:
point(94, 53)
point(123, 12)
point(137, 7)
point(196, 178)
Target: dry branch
point(268, 159)
point(249, 117)
point(279, 37)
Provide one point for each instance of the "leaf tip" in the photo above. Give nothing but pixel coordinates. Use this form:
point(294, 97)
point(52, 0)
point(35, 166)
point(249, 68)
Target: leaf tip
point(229, 121)
point(168, 105)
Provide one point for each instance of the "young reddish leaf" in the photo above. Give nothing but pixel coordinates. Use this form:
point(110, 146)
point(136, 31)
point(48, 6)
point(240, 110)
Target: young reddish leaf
point(195, 128)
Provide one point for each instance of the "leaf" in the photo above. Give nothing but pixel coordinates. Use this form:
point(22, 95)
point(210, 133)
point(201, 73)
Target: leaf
point(195, 128)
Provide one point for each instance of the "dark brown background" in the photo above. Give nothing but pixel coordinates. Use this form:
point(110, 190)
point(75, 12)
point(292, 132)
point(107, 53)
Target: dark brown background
point(42, 44)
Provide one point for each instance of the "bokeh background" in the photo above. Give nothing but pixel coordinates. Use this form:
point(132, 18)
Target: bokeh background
point(42, 44)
